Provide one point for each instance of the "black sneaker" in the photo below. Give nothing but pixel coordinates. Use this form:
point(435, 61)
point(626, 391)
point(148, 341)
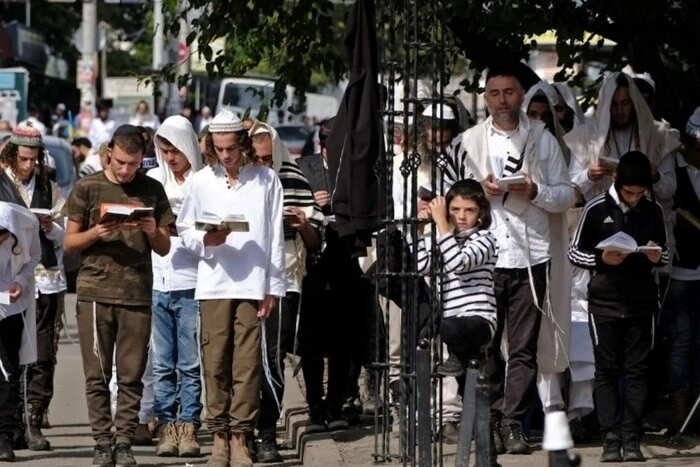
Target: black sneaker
point(123, 457)
point(631, 450)
point(450, 367)
point(496, 438)
point(611, 448)
point(336, 421)
point(266, 450)
point(6, 452)
point(578, 432)
point(514, 439)
point(317, 420)
point(103, 456)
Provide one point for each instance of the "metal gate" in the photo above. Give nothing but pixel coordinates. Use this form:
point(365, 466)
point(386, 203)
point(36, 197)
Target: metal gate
point(412, 52)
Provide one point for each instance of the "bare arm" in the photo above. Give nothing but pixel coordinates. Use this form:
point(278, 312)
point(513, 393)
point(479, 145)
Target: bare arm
point(77, 240)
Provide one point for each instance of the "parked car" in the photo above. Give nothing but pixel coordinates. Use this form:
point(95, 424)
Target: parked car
point(66, 176)
point(294, 137)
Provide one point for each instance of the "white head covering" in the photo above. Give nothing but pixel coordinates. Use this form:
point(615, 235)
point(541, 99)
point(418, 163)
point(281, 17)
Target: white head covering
point(693, 126)
point(280, 153)
point(571, 102)
point(178, 130)
point(646, 77)
point(226, 121)
point(545, 89)
point(442, 111)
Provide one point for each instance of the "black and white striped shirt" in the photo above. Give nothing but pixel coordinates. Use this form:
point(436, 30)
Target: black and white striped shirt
point(298, 194)
point(468, 261)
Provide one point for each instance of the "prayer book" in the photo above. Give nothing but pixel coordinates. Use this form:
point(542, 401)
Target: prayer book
point(41, 212)
point(4, 298)
point(624, 243)
point(505, 182)
point(232, 222)
point(125, 214)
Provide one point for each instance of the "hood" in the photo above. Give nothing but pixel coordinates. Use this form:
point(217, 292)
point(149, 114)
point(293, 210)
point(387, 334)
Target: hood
point(178, 130)
point(279, 150)
point(22, 223)
point(546, 89)
point(645, 119)
point(571, 102)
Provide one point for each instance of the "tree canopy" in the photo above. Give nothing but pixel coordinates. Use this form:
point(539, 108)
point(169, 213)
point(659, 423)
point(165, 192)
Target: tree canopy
point(300, 36)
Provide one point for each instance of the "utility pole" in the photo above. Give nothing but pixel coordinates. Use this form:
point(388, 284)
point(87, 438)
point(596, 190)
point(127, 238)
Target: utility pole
point(86, 66)
point(158, 45)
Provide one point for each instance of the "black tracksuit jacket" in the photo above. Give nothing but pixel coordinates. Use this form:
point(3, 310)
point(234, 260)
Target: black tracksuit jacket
point(628, 289)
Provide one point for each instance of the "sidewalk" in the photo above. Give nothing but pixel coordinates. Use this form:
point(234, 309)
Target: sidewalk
point(72, 443)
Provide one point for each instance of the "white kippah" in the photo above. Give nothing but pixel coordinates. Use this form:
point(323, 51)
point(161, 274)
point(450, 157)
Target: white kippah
point(442, 111)
point(693, 126)
point(226, 121)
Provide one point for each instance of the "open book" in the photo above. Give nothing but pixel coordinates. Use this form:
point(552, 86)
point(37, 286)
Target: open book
point(41, 212)
point(124, 214)
point(232, 222)
point(608, 160)
point(505, 182)
point(624, 243)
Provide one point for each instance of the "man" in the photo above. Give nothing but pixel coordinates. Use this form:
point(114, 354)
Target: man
point(680, 308)
point(302, 223)
point(101, 128)
point(143, 117)
point(34, 118)
point(531, 231)
point(239, 278)
point(175, 311)
point(622, 300)
point(567, 108)
point(86, 161)
point(622, 123)
point(114, 285)
point(25, 160)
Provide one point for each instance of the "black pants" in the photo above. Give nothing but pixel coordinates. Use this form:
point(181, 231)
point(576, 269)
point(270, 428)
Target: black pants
point(621, 350)
point(465, 336)
point(511, 391)
point(10, 341)
point(329, 313)
point(40, 374)
point(279, 335)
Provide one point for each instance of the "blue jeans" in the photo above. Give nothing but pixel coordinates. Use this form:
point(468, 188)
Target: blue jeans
point(176, 353)
point(681, 322)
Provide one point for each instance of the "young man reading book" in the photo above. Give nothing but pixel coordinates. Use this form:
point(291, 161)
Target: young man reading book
point(240, 276)
point(622, 299)
point(115, 284)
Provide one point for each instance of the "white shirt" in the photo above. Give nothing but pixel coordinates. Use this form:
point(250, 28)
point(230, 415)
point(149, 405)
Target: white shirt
point(249, 265)
point(528, 232)
point(52, 280)
point(178, 269)
point(100, 132)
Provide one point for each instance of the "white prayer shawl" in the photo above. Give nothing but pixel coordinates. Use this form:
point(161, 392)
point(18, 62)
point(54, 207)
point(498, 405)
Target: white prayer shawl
point(553, 341)
point(546, 89)
point(571, 102)
point(24, 224)
point(294, 249)
point(588, 142)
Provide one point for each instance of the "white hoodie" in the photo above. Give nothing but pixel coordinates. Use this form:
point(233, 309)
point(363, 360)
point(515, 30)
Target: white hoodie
point(178, 269)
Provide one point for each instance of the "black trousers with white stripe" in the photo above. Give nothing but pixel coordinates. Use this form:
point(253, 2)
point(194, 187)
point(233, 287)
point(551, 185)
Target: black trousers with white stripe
point(10, 341)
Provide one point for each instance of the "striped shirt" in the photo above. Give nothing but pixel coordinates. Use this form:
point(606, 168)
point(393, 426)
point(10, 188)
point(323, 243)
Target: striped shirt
point(298, 194)
point(468, 261)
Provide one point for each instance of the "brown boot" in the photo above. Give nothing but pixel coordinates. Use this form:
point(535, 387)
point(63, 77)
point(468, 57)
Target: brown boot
point(188, 445)
point(142, 435)
point(220, 452)
point(680, 405)
point(167, 440)
point(33, 435)
point(240, 454)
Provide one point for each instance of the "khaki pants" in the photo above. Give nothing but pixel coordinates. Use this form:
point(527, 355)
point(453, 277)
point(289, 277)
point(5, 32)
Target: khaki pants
point(231, 359)
point(129, 329)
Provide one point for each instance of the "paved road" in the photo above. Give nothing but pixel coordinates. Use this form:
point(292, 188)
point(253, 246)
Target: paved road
point(72, 443)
